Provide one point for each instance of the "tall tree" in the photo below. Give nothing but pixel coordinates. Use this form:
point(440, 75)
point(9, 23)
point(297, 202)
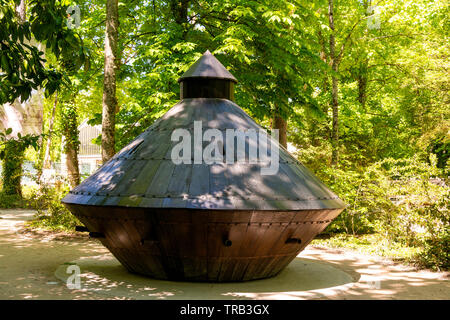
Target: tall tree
point(334, 86)
point(109, 82)
point(71, 142)
point(46, 162)
point(279, 123)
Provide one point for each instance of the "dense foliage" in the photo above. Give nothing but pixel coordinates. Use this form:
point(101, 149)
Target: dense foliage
point(22, 58)
point(402, 200)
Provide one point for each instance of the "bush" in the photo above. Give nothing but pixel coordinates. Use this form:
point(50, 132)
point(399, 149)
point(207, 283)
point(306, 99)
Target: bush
point(51, 213)
point(8, 201)
point(403, 200)
point(437, 246)
point(55, 217)
point(366, 196)
point(436, 252)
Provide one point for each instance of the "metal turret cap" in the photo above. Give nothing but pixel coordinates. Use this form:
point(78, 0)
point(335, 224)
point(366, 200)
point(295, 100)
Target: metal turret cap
point(207, 67)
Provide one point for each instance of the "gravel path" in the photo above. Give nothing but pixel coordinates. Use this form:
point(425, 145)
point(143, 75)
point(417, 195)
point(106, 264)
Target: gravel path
point(28, 261)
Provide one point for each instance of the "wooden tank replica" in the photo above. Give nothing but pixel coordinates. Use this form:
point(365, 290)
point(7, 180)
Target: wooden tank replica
point(197, 221)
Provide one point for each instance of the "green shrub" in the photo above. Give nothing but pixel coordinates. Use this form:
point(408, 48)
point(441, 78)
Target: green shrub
point(366, 196)
point(436, 252)
point(405, 201)
point(8, 201)
point(437, 245)
point(55, 217)
point(51, 213)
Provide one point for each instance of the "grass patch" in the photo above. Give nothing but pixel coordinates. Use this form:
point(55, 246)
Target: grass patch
point(373, 244)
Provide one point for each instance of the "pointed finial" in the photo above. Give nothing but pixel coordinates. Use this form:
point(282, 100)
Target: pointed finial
point(207, 67)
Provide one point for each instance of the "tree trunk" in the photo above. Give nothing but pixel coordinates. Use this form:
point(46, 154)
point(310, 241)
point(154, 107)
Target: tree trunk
point(49, 138)
point(109, 82)
point(324, 58)
point(12, 168)
point(278, 122)
point(334, 92)
point(73, 171)
point(362, 71)
point(71, 146)
point(179, 10)
point(362, 85)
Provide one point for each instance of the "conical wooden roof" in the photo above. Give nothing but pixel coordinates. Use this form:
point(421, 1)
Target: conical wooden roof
point(143, 174)
point(207, 67)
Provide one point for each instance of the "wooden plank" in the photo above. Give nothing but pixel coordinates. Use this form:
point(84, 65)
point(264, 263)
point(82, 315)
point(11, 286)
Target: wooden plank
point(147, 173)
point(128, 178)
point(132, 241)
point(101, 177)
point(257, 248)
point(193, 255)
point(229, 264)
point(180, 181)
point(199, 180)
point(152, 143)
point(109, 180)
point(216, 249)
point(160, 182)
point(169, 258)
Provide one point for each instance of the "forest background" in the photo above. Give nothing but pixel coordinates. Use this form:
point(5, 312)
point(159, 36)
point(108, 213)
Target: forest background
point(358, 89)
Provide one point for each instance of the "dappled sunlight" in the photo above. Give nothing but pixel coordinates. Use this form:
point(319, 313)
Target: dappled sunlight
point(16, 214)
point(105, 275)
point(357, 90)
point(143, 174)
point(32, 268)
point(28, 258)
point(383, 279)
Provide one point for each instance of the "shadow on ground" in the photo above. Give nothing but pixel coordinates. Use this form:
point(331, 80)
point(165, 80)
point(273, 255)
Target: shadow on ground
point(28, 261)
point(303, 278)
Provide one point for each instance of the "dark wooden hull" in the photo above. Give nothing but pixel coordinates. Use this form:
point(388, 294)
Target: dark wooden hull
point(203, 245)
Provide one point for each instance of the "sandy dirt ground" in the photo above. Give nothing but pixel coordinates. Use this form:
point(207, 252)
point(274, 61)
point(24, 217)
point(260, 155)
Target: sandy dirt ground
point(30, 262)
